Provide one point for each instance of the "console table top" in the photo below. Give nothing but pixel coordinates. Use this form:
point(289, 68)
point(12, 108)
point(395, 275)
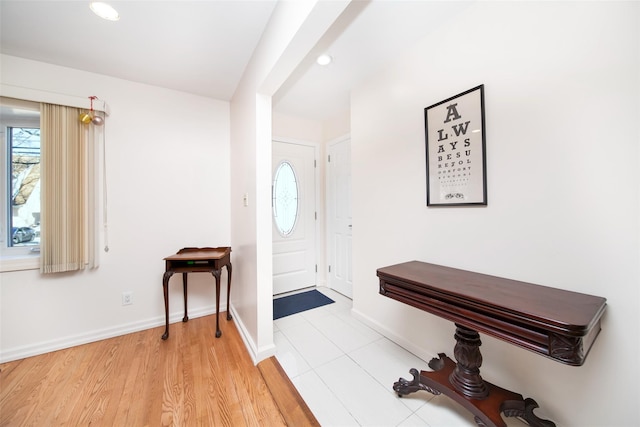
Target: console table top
point(526, 314)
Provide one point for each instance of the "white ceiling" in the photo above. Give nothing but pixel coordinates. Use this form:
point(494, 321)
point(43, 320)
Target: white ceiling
point(202, 47)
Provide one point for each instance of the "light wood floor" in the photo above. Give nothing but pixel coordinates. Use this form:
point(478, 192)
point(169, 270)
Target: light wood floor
point(191, 379)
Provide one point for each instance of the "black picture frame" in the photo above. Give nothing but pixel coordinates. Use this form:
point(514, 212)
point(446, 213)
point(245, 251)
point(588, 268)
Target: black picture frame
point(456, 150)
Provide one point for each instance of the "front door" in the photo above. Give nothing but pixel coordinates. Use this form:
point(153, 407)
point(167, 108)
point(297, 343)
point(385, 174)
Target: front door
point(294, 216)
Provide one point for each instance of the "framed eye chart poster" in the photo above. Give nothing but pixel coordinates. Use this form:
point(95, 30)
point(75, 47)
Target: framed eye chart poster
point(455, 148)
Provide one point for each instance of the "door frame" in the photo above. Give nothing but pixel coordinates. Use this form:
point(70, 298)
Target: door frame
point(319, 279)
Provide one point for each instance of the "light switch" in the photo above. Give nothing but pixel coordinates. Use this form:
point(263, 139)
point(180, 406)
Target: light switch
point(245, 199)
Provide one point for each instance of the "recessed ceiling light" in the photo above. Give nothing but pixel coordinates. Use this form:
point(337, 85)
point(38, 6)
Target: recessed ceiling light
point(324, 59)
point(105, 11)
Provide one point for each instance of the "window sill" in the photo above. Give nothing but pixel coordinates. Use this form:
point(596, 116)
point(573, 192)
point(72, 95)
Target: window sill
point(19, 263)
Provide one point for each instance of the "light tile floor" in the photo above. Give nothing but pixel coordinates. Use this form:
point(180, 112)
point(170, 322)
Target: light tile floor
point(345, 371)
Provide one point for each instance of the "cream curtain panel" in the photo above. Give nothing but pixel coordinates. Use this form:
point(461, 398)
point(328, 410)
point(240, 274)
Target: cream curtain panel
point(64, 196)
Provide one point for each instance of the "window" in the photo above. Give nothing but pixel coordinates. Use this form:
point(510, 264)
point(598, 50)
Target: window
point(49, 187)
point(285, 198)
point(24, 156)
point(20, 134)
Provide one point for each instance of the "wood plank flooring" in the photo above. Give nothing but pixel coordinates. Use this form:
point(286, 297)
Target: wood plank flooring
point(191, 379)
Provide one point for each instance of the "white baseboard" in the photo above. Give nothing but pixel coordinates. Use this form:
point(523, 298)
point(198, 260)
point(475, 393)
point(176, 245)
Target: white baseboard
point(418, 351)
point(257, 355)
point(8, 355)
point(16, 353)
point(265, 352)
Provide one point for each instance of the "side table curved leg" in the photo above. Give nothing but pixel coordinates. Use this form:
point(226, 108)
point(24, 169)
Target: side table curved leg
point(216, 274)
point(228, 290)
point(165, 288)
point(184, 291)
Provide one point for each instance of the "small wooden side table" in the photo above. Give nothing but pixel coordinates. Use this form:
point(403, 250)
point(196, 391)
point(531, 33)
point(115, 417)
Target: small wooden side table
point(197, 260)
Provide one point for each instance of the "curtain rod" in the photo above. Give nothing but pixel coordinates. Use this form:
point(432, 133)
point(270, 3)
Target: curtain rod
point(38, 95)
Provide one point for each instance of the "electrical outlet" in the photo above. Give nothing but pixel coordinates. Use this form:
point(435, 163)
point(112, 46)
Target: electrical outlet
point(127, 298)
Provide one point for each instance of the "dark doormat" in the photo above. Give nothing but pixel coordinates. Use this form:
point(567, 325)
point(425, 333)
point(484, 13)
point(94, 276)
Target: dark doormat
point(292, 304)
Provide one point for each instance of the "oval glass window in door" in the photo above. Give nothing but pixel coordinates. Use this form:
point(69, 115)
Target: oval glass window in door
point(285, 198)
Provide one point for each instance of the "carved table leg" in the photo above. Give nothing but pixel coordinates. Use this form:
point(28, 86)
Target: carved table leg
point(466, 376)
point(524, 409)
point(165, 289)
point(216, 274)
point(462, 382)
point(184, 291)
point(403, 387)
point(228, 290)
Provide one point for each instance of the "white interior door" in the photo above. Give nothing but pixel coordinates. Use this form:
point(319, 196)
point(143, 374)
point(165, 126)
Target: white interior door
point(339, 220)
point(294, 216)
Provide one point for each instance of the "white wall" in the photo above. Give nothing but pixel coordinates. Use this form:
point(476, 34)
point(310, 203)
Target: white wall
point(336, 127)
point(562, 106)
point(168, 178)
point(294, 28)
point(288, 127)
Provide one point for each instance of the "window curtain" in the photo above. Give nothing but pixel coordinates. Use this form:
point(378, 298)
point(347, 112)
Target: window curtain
point(64, 200)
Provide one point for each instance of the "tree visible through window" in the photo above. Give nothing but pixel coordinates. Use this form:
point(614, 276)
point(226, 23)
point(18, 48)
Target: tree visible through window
point(24, 157)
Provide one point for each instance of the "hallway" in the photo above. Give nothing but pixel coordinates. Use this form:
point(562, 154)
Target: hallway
point(344, 371)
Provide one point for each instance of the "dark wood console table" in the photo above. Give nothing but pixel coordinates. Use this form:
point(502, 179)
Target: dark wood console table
point(197, 260)
point(558, 324)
